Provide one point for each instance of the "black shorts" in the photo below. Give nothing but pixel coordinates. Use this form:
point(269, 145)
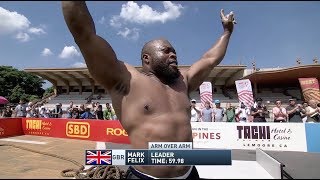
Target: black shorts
point(134, 174)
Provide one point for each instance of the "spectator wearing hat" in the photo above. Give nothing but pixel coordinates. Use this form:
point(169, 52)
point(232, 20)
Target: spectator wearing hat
point(294, 111)
point(195, 112)
point(42, 112)
point(57, 111)
point(218, 111)
point(259, 111)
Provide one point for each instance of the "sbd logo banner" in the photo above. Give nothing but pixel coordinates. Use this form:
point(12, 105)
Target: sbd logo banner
point(78, 129)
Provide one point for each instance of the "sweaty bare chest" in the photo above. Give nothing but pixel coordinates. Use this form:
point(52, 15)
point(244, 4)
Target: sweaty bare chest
point(154, 97)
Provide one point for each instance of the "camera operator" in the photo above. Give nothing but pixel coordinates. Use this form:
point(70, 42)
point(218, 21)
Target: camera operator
point(259, 111)
point(295, 111)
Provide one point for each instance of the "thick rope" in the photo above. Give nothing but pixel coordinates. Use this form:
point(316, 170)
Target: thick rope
point(94, 172)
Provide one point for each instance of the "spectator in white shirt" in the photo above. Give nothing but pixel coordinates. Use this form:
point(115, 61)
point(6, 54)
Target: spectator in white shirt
point(195, 112)
point(242, 113)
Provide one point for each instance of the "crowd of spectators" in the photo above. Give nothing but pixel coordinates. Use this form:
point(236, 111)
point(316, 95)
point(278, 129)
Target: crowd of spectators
point(213, 112)
point(93, 111)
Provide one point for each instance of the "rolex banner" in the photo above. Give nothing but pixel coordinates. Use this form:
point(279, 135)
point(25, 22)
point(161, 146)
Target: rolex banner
point(310, 88)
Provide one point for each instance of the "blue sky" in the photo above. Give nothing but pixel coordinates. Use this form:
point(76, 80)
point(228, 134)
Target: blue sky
point(34, 34)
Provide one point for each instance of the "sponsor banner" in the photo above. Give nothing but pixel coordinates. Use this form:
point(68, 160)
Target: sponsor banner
point(209, 135)
point(267, 136)
point(310, 88)
point(271, 136)
point(312, 136)
point(10, 127)
point(94, 130)
point(244, 91)
point(205, 92)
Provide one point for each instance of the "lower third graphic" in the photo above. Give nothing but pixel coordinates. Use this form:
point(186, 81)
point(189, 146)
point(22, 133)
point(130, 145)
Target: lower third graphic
point(98, 157)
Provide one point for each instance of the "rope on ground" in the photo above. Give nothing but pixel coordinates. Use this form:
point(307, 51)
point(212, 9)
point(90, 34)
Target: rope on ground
point(94, 172)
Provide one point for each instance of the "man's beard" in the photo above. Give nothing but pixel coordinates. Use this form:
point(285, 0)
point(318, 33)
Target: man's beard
point(166, 73)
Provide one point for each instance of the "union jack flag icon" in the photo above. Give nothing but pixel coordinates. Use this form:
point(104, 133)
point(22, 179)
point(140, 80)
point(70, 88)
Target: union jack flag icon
point(98, 157)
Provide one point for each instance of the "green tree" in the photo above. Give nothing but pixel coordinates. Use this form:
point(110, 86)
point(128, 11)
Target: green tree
point(16, 84)
point(48, 91)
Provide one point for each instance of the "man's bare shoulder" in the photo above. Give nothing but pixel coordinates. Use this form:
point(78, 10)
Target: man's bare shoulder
point(129, 67)
point(184, 72)
point(130, 75)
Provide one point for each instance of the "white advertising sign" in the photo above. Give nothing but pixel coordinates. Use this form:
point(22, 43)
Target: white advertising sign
point(205, 92)
point(244, 91)
point(209, 135)
point(267, 136)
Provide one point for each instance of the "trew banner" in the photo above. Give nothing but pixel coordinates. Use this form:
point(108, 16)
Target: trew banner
point(310, 88)
point(205, 92)
point(93, 130)
point(244, 91)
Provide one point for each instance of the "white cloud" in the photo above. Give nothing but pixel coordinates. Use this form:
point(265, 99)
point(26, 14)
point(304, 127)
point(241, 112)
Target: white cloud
point(46, 52)
point(102, 20)
point(79, 65)
point(12, 22)
point(127, 33)
point(69, 52)
point(115, 22)
point(36, 31)
point(133, 13)
point(23, 37)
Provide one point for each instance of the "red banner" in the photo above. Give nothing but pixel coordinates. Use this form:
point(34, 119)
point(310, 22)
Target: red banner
point(10, 127)
point(310, 88)
point(93, 130)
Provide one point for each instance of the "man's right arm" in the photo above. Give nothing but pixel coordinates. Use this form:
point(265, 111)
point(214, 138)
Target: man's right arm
point(292, 110)
point(254, 111)
point(15, 112)
point(100, 58)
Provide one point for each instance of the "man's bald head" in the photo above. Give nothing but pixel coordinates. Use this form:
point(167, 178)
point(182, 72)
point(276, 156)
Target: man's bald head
point(152, 45)
point(159, 58)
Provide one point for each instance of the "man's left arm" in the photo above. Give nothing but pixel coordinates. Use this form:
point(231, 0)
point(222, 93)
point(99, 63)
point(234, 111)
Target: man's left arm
point(199, 71)
point(213, 116)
